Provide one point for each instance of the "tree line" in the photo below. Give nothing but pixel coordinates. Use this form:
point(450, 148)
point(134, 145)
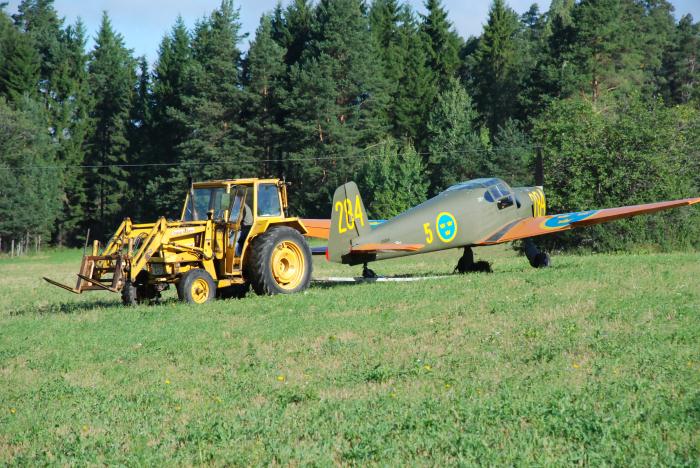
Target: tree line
point(605, 92)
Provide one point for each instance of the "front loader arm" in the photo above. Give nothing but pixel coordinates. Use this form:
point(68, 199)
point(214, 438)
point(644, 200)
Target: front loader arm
point(156, 237)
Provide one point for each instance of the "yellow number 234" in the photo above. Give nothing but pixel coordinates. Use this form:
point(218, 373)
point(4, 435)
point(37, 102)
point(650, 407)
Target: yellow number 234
point(348, 215)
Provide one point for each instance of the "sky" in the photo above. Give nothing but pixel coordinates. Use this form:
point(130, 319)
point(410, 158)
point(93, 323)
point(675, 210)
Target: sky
point(144, 23)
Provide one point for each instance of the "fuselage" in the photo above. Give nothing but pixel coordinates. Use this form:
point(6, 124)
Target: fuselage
point(461, 216)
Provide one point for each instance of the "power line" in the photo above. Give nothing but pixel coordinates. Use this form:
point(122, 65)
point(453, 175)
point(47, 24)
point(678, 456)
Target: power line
point(213, 163)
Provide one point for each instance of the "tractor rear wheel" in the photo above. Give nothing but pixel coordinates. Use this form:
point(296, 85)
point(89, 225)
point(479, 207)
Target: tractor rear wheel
point(280, 262)
point(196, 287)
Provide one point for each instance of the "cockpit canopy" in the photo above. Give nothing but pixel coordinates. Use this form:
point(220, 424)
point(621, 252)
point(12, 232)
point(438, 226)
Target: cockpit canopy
point(495, 189)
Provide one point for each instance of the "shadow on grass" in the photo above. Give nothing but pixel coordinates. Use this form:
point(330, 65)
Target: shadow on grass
point(68, 308)
point(346, 281)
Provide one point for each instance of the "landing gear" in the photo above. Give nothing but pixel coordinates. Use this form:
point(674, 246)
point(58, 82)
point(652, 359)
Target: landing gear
point(535, 256)
point(466, 263)
point(368, 273)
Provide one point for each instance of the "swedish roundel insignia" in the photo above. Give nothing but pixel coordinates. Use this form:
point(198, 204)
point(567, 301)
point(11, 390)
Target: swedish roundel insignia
point(446, 226)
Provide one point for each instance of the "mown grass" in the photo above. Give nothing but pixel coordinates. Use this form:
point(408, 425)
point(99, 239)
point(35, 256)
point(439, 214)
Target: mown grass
point(593, 361)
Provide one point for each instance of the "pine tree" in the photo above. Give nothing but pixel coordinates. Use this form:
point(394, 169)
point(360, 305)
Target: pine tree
point(112, 77)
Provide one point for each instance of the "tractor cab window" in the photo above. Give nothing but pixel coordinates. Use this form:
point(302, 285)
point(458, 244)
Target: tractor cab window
point(268, 200)
point(238, 194)
point(202, 200)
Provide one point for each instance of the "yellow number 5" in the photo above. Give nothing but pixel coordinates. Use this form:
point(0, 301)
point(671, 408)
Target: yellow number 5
point(428, 233)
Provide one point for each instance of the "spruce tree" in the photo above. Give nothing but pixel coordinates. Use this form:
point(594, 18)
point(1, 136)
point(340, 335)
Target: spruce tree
point(69, 106)
point(292, 28)
point(443, 42)
point(337, 103)
point(29, 191)
point(417, 87)
point(265, 72)
point(112, 78)
point(497, 67)
point(172, 84)
point(681, 64)
point(19, 76)
point(212, 112)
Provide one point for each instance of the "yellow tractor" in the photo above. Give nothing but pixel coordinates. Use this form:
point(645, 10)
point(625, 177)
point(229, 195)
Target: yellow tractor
point(232, 235)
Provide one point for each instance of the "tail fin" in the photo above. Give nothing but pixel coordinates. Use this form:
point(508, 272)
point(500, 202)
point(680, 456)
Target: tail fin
point(348, 221)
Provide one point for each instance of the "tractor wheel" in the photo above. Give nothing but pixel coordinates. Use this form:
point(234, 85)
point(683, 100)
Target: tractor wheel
point(196, 287)
point(280, 262)
point(138, 292)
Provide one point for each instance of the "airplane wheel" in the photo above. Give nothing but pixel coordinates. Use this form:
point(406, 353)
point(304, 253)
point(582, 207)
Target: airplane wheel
point(541, 260)
point(280, 262)
point(196, 287)
point(368, 272)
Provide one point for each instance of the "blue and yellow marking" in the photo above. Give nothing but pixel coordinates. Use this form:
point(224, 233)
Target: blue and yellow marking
point(563, 220)
point(446, 226)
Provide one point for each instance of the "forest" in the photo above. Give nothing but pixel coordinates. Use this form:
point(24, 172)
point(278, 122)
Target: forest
point(602, 95)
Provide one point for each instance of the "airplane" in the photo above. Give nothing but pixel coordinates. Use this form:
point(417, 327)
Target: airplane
point(475, 213)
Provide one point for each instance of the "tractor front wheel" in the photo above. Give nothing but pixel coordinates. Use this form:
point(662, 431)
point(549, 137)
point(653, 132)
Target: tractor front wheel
point(280, 262)
point(196, 287)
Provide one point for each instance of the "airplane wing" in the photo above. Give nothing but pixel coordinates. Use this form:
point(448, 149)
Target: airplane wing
point(530, 227)
point(374, 248)
point(319, 228)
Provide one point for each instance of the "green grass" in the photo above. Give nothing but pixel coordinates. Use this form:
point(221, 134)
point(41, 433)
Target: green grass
point(593, 361)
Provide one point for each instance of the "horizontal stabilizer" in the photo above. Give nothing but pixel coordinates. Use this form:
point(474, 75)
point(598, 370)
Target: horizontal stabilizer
point(374, 248)
point(531, 227)
point(320, 228)
point(319, 250)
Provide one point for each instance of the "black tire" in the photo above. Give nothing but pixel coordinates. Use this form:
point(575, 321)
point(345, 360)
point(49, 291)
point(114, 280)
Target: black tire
point(288, 249)
point(130, 294)
point(541, 260)
point(196, 287)
point(138, 292)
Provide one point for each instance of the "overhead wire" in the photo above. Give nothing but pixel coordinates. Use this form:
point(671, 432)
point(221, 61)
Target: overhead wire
point(327, 157)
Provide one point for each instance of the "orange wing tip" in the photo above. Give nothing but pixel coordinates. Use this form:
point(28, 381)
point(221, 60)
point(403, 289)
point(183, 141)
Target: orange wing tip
point(318, 228)
point(369, 248)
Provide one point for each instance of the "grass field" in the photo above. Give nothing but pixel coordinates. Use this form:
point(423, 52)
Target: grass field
point(593, 361)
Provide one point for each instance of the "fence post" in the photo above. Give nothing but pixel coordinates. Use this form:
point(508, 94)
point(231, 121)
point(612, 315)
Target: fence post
point(12, 249)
